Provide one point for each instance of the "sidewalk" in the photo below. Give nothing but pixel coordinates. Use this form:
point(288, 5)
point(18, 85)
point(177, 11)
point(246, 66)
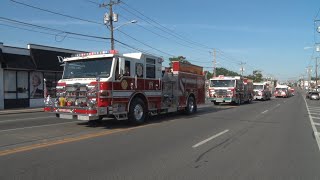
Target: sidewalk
point(21, 110)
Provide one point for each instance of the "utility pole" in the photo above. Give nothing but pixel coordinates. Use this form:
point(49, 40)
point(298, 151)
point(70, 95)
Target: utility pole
point(309, 75)
point(316, 73)
point(110, 18)
point(242, 68)
point(214, 63)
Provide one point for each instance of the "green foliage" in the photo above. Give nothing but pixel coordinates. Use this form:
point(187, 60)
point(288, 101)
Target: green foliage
point(256, 76)
point(179, 58)
point(226, 72)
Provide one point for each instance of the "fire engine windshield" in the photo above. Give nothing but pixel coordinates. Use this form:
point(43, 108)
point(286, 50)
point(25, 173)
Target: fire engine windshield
point(281, 89)
point(222, 83)
point(88, 68)
point(257, 86)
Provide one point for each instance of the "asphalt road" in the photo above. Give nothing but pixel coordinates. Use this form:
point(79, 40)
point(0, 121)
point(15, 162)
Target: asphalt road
point(274, 139)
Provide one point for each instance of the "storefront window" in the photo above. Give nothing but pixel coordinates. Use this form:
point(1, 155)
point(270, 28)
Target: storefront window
point(10, 88)
point(36, 85)
point(51, 84)
point(22, 84)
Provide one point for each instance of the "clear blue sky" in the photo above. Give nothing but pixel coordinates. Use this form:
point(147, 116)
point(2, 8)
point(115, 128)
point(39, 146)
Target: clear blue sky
point(266, 35)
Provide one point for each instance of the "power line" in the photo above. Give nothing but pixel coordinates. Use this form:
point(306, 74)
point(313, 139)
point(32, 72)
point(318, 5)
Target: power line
point(317, 14)
point(72, 17)
point(169, 31)
point(52, 12)
point(50, 29)
point(52, 34)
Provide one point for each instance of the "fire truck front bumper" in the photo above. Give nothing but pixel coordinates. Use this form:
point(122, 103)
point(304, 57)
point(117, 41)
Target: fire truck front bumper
point(221, 99)
point(83, 114)
point(257, 97)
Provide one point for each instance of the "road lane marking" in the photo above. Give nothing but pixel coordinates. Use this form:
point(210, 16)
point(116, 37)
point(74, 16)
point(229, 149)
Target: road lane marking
point(210, 138)
point(314, 107)
point(30, 127)
point(69, 140)
point(313, 117)
point(264, 111)
point(14, 120)
point(317, 124)
point(313, 113)
point(315, 132)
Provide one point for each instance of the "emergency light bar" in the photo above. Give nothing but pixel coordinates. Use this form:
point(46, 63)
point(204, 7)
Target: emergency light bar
point(95, 53)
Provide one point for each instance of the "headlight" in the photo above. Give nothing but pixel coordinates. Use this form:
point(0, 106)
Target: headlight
point(91, 103)
point(229, 93)
point(48, 101)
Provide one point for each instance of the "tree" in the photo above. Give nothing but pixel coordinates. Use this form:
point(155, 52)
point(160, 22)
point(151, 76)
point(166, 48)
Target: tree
point(226, 72)
point(256, 76)
point(179, 58)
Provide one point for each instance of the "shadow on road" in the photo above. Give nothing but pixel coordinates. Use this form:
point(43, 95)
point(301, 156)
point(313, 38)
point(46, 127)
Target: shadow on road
point(111, 123)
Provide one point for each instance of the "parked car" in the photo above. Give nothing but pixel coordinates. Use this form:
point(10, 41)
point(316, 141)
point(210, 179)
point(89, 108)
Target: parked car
point(308, 94)
point(314, 96)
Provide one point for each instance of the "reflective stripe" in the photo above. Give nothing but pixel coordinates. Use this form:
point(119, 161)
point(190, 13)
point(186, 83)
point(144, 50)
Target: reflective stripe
point(121, 94)
point(153, 93)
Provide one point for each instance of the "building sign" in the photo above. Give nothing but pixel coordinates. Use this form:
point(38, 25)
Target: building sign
point(60, 59)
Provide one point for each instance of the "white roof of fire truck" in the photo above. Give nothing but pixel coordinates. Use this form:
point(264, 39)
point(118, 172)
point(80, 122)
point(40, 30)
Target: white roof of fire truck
point(282, 86)
point(222, 77)
point(259, 83)
point(111, 53)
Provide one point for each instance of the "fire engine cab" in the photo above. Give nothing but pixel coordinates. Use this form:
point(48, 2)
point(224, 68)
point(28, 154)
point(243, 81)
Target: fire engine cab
point(227, 89)
point(125, 86)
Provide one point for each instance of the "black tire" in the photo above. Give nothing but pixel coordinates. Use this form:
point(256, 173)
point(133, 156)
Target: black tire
point(137, 112)
point(216, 103)
point(191, 106)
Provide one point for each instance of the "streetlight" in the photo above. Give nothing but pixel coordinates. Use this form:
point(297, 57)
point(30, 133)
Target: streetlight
point(108, 21)
point(129, 22)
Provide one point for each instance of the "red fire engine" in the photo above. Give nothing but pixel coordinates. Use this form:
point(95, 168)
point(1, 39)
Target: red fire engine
point(226, 89)
point(128, 86)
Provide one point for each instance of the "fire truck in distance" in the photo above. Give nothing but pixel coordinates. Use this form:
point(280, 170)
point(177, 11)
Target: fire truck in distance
point(125, 86)
point(261, 91)
point(227, 89)
point(282, 91)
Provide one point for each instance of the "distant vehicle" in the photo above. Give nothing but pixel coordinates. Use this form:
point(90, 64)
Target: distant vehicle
point(282, 91)
point(261, 91)
point(314, 95)
point(308, 94)
point(230, 89)
point(292, 91)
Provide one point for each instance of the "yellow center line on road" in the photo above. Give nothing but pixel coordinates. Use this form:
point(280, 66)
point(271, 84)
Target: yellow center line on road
point(67, 140)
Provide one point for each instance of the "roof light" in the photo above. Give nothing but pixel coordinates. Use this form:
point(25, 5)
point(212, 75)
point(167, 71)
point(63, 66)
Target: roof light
point(92, 53)
point(112, 51)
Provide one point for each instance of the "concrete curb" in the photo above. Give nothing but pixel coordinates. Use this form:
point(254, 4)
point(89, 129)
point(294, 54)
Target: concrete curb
point(18, 111)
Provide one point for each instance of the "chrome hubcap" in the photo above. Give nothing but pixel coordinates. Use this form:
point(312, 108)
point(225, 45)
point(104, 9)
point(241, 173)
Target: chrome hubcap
point(191, 106)
point(138, 112)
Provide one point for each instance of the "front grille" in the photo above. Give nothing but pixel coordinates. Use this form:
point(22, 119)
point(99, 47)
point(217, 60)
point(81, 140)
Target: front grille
point(76, 95)
point(221, 92)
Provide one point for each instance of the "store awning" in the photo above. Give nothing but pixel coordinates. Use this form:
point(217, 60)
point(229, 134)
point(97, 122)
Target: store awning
point(48, 58)
point(16, 61)
point(1, 57)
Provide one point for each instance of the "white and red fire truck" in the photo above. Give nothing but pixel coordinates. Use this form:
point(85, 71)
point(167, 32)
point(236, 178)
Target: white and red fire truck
point(125, 86)
point(282, 91)
point(261, 91)
point(227, 89)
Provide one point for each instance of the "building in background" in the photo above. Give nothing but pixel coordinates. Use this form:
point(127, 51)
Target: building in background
point(22, 72)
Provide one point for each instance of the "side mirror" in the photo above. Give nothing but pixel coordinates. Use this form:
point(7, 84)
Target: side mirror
point(121, 65)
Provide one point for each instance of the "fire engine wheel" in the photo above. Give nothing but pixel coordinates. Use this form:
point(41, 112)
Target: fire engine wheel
point(137, 111)
point(191, 106)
